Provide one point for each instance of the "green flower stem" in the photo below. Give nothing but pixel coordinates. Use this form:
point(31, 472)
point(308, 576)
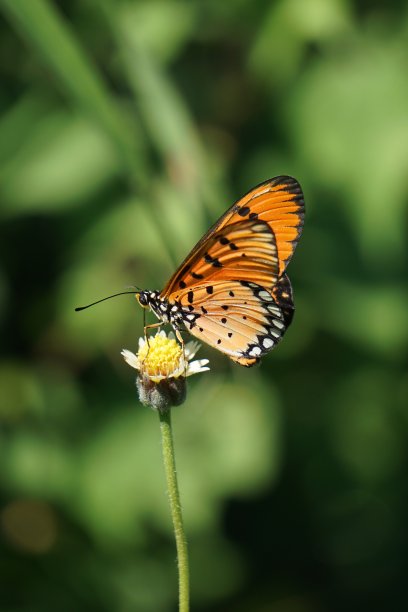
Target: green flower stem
point(175, 508)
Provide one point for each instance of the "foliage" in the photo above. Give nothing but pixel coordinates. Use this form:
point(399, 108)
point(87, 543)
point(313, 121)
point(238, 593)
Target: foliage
point(126, 128)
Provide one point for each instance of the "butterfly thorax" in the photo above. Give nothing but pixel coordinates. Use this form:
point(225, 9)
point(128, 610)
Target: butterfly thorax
point(164, 311)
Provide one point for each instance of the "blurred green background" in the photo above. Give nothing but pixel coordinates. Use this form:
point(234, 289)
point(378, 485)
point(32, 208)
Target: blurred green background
point(126, 128)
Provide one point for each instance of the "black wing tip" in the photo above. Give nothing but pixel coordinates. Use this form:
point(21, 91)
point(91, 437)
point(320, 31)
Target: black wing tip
point(291, 185)
point(286, 178)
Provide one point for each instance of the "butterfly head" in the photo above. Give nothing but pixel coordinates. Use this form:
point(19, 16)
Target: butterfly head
point(168, 313)
point(152, 300)
point(143, 298)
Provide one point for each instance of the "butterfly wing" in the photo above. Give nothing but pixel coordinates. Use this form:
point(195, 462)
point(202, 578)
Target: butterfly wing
point(279, 204)
point(244, 250)
point(231, 290)
point(239, 318)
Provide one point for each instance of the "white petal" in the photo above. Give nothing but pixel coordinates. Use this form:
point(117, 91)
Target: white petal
point(171, 335)
point(177, 373)
point(191, 348)
point(195, 367)
point(130, 358)
point(142, 342)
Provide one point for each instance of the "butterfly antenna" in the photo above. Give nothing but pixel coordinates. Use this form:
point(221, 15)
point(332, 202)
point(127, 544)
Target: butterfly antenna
point(103, 299)
point(133, 287)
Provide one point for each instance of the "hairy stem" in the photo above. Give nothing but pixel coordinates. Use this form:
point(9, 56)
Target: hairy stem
point(175, 508)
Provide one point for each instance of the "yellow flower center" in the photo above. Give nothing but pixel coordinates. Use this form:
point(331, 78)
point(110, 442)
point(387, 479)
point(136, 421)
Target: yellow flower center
point(161, 357)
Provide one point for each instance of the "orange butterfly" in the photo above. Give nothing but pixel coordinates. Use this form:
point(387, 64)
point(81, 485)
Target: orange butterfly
point(232, 291)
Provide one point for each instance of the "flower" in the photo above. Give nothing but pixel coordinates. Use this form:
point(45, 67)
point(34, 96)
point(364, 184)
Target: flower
point(163, 366)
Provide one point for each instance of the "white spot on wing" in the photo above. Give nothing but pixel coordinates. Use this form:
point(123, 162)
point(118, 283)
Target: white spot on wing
point(267, 343)
point(259, 227)
point(255, 351)
point(273, 309)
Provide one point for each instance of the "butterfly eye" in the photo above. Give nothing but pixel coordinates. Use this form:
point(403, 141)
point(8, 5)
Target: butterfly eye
point(142, 299)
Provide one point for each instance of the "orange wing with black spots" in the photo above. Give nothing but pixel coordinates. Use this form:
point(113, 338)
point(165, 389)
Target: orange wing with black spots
point(244, 250)
point(231, 291)
point(277, 202)
point(239, 318)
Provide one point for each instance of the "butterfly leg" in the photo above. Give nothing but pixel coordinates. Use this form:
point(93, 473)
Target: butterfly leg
point(151, 326)
point(181, 340)
point(179, 337)
point(145, 328)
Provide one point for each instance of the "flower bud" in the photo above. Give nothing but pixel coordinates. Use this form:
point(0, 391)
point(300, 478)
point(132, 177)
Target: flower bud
point(163, 366)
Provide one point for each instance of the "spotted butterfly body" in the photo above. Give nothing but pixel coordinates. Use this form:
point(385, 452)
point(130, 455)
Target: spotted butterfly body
point(232, 291)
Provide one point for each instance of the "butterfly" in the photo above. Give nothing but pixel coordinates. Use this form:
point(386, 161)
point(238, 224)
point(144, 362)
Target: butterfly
point(232, 291)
